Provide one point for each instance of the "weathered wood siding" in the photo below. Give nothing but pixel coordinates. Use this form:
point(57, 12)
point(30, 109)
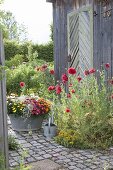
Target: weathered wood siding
point(60, 10)
point(3, 112)
point(103, 36)
point(102, 32)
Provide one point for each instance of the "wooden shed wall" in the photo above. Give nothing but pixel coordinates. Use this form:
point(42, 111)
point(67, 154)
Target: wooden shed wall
point(60, 10)
point(102, 38)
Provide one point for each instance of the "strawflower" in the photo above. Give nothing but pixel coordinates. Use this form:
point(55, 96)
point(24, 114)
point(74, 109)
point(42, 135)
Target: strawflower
point(22, 84)
point(64, 77)
point(58, 89)
point(50, 88)
point(86, 72)
point(52, 72)
point(71, 71)
point(68, 110)
point(107, 65)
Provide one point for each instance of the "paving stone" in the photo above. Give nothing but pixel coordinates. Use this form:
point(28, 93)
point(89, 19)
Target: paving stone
point(41, 152)
point(30, 159)
point(47, 156)
point(74, 168)
point(14, 154)
point(26, 145)
point(61, 157)
point(72, 163)
point(38, 158)
point(45, 165)
point(22, 141)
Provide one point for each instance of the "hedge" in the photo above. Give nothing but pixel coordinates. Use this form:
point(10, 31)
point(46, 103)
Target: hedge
point(12, 48)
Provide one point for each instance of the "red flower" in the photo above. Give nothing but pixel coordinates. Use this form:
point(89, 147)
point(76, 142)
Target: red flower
point(111, 96)
point(92, 70)
point(111, 82)
point(79, 78)
point(68, 95)
point(58, 89)
point(22, 84)
point(68, 110)
point(107, 65)
point(44, 67)
point(50, 88)
point(86, 72)
point(73, 91)
point(52, 72)
point(70, 85)
point(72, 71)
point(64, 78)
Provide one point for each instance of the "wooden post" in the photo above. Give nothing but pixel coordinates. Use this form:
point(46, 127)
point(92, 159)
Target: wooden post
point(3, 108)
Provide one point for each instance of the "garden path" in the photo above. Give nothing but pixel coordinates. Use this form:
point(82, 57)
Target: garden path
point(39, 148)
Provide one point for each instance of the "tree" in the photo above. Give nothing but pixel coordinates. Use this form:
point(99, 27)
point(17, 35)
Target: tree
point(51, 29)
point(12, 29)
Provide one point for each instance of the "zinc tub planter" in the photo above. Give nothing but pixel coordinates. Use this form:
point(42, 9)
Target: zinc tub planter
point(26, 123)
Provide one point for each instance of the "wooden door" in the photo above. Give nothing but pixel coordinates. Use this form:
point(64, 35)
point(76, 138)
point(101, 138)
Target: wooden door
point(80, 39)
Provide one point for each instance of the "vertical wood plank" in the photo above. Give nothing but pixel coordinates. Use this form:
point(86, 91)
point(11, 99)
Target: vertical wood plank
point(3, 108)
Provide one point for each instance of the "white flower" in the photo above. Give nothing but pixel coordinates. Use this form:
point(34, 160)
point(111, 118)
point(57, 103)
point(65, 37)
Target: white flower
point(30, 107)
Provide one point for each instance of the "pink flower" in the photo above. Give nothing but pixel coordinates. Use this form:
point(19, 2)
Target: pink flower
point(58, 89)
point(73, 91)
point(92, 70)
point(111, 82)
point(72, 71)
point(22, 84)
point(50, 88)
point(64, 78)
point(86, 72)
point(70, 85)
point(79, 78)
point(43, 67)
point(68, 95)
point(107, 65)
point(52, 72)
point(67, 110)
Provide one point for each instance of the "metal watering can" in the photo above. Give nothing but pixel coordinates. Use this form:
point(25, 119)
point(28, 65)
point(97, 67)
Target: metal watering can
point(50, 129)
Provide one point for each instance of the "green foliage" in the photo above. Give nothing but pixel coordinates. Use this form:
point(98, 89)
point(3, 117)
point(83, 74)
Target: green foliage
point(11, 49)
point(35, 81)
point(67, 138)
point(11, 28)
point(90, 111)
point(45, 52)
point(2, 162)
point(14, 62)
point(12, 142)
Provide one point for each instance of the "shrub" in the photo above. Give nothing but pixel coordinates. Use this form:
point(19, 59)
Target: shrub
point(14, 62)
point(12, 48)
point(36, 81)
point(86, 108)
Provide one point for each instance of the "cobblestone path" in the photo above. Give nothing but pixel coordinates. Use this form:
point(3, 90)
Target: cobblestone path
point(40, 148)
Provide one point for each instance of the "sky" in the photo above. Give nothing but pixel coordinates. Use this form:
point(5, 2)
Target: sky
point(36, 15)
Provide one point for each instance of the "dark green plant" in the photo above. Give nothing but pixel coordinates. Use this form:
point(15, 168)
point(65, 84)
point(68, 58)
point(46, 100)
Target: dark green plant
point(2, 162)
point(14, 62)
point(12, 142)
point(44, 51)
